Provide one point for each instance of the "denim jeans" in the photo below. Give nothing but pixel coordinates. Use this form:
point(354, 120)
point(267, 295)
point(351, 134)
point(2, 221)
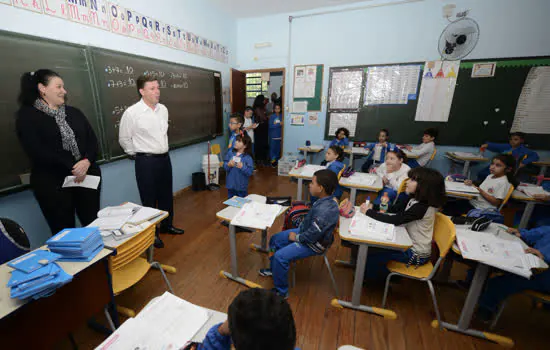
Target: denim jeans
point(413, 163)
point(377, 260)
point(285, 252)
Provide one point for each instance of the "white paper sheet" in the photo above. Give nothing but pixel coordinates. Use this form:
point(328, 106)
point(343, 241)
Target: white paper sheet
point(90, 181)
point(299, 107)
point(363, 179)
point(256, 215)
point(144, 214)
point(110, 223)
point(343, 120)
point(345, 91)
point(115, 211)
point(531, 191)
point(533, 108)
point(395, 84)
point(452, 186)
point(363, 226)
point(467, 155)
point(310, 169)
point(304, 81)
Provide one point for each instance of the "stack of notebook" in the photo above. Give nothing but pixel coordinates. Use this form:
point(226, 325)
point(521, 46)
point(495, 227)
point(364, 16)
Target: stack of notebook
point(76, 244)
point(36, 275)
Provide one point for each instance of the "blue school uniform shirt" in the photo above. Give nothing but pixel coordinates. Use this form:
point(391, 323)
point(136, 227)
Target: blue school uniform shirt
point(336, 166)
point(275, 127)
point(342, 143)
point(370, 146)
point(538, 238)
point(237, 179)
point(518, 153)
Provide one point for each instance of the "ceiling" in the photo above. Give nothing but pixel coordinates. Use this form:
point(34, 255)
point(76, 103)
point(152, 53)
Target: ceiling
point(260, 8)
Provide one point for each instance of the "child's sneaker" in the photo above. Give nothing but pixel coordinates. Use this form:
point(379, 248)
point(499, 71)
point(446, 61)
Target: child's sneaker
point(265, 272)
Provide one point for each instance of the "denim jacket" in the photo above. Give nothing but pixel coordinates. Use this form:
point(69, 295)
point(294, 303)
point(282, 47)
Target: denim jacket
point(316, 231)
point(237, 179)
point(538, 238)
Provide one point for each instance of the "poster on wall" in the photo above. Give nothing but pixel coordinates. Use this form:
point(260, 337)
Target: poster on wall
point(31, 5)
point(396, 84)
point(343, 120)
point(56, 8)
point(304, 81)
point(313, 118)
point(7, 2)
point(345, 90)
point(533, 109)
point(119, 23)
point(297, 119)
point(437, 91)
point(484, 70)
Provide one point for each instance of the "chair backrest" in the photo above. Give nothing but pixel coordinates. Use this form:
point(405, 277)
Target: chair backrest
point(133, 248)
point(401, 189)
point(433, 154)
point(215, 149)
point(444, 233)
point(341, 172)
point(507, 198)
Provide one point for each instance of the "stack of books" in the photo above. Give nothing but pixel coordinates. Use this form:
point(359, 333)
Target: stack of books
point(36, 275)
point(76, 244)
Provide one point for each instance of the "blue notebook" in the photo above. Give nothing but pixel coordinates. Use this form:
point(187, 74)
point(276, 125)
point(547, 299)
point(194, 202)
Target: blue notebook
point(44, 289)
point(237, 202)
point(88, 256)
point(20, 277)
point(34, 260)
point(72, 236)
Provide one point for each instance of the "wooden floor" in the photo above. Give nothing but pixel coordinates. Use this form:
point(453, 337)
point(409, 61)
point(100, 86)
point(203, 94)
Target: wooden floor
point(203, 251)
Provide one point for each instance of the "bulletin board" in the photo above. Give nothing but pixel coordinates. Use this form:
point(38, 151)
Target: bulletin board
point(313, 103)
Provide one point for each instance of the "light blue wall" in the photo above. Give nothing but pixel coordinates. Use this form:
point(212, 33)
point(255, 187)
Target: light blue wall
point(119, 183)
point(390, 34)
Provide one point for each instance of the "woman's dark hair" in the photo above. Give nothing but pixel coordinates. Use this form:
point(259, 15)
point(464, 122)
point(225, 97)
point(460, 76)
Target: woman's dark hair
point(339, 152)
point(384, 131)
point(510, 163)
point(399, 154)
point(430, 188)
point(346, 132)
point(247, 142)
point(259, 102)
point(260, 319)
point(327, 179)
point(29, 85)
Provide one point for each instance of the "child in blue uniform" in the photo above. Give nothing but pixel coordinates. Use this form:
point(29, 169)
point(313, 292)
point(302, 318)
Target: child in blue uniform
point(256, 319)
point(313, 237)
point(239, 166)
point(501, 287)
point(235, 124)
point(516, 147)
point(275, 135)
point(341, 138)
point(333, 162)
point(378, 150)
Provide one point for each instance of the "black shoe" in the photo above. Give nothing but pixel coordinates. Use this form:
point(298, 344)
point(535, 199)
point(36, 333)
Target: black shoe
point(171, 230)
point(158, 243)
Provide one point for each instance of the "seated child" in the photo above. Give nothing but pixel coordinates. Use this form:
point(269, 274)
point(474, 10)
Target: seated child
point(423, 151)
point(492, 190)
point(378, 150)
point(313, 237)
point(256, 319)
point(516, 147)
point(239, 167)
point(341, 138)
point(501, 287)
point(426, 190)
point(333, 162)
point(393, 171)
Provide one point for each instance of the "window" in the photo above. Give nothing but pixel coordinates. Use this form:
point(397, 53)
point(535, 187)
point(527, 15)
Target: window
point(254, 85)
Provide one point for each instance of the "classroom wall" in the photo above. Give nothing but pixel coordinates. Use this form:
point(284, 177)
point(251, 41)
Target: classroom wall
point(119, 183)
point(389, 34)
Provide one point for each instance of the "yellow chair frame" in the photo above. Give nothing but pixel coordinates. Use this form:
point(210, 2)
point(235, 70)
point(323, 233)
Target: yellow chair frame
point(444, 236)
point(507, 198)
point(401, 189)
point(431, 158)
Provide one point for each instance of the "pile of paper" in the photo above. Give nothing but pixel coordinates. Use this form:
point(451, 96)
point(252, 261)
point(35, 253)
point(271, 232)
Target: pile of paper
point(168, 322)
point(309, 169)
point(467, 155)
point(532, 190)
point(36, 275)
point(454, 186)
point(365, 227)
point(237, 202)
point(256, 215)
point(76, 244)
point(507, 253)
point(124, 220)
point(362, 179)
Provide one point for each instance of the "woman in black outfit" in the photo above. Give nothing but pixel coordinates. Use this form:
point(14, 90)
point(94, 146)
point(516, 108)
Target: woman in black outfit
point(60, 142)
point(261, 139)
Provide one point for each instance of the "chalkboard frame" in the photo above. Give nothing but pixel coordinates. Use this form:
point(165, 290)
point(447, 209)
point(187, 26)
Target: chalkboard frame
point(522, 62)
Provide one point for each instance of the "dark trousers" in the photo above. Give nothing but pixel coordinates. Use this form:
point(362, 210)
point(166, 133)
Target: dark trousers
point(457, 207)
point(154, 180)
point(59, 205)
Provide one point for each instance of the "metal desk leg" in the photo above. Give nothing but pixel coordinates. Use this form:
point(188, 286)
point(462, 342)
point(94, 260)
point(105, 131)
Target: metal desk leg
point(305, 155)
point(263, 247)
point(300, 188)
point(352, 259)
point(234, 275)
point(541, 174)
point(353, 195)
point(482, 271)
point(351, 160)
point(466, 168)
point(529, 207)
point(357, 288)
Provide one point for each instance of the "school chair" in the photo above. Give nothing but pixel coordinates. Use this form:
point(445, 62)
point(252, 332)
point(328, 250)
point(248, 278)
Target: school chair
point(431, 158)
point(327, 264)
point(128, 267)
point(538, 299)
point(444, 236)
point(401, 189)
point(215, 148)
point(507, 198)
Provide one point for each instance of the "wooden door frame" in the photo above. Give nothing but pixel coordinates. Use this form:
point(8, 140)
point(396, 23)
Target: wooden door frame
point(283, 91)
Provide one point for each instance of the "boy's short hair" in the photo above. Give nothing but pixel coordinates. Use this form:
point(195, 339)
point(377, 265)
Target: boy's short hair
point(432, 132)
point(339, 130)
point(238, 116)
point(327, 179)
point(519, 134)
point(142, 79)
point(248, 108)
point(339, 151)
point(260, 319)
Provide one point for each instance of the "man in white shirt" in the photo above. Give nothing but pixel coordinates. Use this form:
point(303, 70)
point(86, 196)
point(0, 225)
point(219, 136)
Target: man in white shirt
point(144, 134)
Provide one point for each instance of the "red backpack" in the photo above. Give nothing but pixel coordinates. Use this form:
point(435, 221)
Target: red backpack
point(295, 215)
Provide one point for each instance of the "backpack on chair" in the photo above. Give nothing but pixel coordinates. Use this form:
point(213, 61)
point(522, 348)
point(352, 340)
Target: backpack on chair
point(295, 215)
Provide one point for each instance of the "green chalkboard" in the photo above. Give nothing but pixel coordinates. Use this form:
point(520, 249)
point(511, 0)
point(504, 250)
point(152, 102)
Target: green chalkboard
point(314, 103)
point(475, 100)
point(25, 54)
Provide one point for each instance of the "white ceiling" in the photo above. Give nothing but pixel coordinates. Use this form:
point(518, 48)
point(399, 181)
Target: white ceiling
point(260, 8)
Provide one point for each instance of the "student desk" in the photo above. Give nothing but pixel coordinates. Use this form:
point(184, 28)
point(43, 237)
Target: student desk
point(543, 164)
point(530, 204)
point(352, 183)
point(409, 154)
point(467, 160)
point(297, 173)
point(359, 151)
point(403, 242)
point(311, 150)
point(480, 276)
point(228, 214)
point(40, 324)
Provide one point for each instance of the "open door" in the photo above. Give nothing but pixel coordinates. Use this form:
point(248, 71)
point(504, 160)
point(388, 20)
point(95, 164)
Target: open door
point(238, 91)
